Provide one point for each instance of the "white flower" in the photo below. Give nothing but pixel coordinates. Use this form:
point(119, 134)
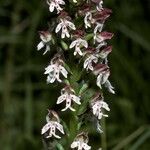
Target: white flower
point(88, 19)
point(101, 44)
point(78, 43)
point(55, 4)
point(109, 87)
point(104, 52)
point(68, 95)
point(52, 124)
point(102, 78)
point(80, 145)
point(102, 72)
point(98, 28)
point(45, 37)
point(89, 62)
point(100, 5)
point(54, 70)
point(97, 107)
point(63, 25)
point(80, 142)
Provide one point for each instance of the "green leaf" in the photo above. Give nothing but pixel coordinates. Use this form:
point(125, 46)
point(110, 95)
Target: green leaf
point(68, 68)
point(83, 88)
point(64, 45)
point(85, 101)
point(59, 146)
point(89, 36)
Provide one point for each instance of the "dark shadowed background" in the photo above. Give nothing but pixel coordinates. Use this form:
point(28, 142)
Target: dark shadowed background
point(25, 96)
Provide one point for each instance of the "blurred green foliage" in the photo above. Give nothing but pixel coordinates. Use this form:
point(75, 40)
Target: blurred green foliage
point(25, 96)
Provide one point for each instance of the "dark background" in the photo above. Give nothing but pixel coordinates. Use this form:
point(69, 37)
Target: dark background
point(25, 96)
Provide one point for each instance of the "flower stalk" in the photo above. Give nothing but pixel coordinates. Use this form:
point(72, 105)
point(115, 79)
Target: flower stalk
point(82, 51)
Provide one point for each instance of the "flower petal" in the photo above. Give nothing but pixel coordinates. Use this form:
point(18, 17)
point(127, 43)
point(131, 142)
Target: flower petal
point(105, 77)
point(40, 45)
point(73, 44)
point(63, 71)
point(76, 99)
point(99, 80)
point(74, 144)
point(78, 50)
point(87, 19)
point(59, 26)
point(59, 127)
point(45, 128)
point(57, 76)
point(72, 109)
point(49, 69)
point(51, 78)
point(109, 87)
point(56, 136)
point(71, 25)
point(84, 43)
point(47, 49)
point(86, 63)
point(86, 147)
point(51, 7)
point(61, 99)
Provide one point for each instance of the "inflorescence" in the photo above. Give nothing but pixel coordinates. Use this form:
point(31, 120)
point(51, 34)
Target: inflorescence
point(82, 35)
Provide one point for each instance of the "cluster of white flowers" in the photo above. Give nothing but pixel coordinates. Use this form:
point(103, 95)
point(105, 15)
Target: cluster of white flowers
point(93, 51)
